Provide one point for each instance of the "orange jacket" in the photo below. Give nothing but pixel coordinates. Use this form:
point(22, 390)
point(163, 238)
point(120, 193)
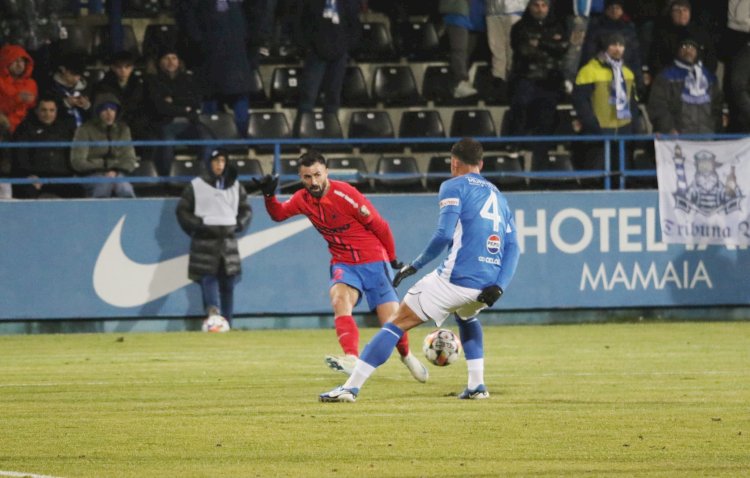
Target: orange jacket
point(12, 105)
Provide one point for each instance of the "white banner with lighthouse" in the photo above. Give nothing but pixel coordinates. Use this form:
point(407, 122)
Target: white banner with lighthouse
point(703, 191)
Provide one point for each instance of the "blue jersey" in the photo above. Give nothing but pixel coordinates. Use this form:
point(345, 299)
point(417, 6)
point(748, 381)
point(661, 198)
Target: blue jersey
point(477, 226)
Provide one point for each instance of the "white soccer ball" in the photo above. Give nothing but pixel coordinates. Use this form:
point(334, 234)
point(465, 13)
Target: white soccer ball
point(215, 323)
point(441, 347)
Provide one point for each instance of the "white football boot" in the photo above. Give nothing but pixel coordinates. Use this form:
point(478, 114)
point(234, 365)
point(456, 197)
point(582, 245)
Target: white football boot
point(417, 368)
point(341, 363)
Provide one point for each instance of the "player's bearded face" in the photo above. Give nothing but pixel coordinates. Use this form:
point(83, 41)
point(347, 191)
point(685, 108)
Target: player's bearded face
point(315, 179)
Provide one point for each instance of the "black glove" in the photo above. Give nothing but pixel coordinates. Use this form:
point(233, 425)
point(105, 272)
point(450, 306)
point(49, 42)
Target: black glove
point(267, 184)
point(397, 264)
point(490, 295)
point(403, 273)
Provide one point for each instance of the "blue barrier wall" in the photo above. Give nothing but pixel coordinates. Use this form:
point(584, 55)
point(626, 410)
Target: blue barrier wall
point(128, 258)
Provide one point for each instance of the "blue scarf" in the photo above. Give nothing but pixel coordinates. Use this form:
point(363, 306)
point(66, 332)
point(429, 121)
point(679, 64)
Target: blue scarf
point(695, 85)
point(618, 91)
point(331, 10)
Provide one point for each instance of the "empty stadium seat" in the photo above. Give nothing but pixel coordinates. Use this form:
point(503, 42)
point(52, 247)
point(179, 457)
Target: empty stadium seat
point(438, 85)
point(397, 174)
point(285, 83)
point(289, 175)
point(372, 124)
point(147, 169)
point(351, 169)
point(247, 167)
point(440, 166)
point(257, 92)
point(554, 162)
point(484, 82)
point(354, 92)
point(375, 43)
point(185, 168)
point(419, 41)
point(422, 124)
point(509, 163)
point(318, 125)
point(395, 85)
point(474, 123)
point(221, 126)
point(268, 125)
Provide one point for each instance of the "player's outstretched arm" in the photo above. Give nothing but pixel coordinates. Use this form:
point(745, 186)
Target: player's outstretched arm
point(267, 184)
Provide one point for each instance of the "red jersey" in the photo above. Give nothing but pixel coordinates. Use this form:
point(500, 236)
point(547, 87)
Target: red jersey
point(355, 232)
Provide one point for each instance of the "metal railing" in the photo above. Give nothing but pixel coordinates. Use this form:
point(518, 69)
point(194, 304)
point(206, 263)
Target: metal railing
point(618, 157)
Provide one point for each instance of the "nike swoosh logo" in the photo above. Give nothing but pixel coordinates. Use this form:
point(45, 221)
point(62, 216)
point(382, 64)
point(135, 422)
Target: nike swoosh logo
point(122, 282)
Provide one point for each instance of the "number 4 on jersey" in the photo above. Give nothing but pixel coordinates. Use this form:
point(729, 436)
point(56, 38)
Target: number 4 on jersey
point(491, 212)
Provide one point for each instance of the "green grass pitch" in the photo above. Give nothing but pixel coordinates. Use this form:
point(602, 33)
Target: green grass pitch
point(646, 399)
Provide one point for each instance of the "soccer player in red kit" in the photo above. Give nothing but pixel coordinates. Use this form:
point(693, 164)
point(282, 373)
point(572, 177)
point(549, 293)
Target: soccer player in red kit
point(362, 253)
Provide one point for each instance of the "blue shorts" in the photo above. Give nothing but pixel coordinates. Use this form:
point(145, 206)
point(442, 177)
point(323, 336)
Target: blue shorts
point(373, 279)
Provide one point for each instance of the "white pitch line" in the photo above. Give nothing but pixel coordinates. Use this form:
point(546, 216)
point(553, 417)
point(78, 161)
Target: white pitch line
point(24, 475)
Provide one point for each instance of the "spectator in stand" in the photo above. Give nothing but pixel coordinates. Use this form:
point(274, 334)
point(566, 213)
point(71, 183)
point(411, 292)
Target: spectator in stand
point(18, 90)
point(465, 21)
point(686, 97)
point(674, 28)
point(501, 16)
point(18, 93)
point(327, 31)
point(173, 100)
point(220, 29)
point(43, 125)
point(70, 89)
point(104, 161)
point(605, 100)
point(539, 41)
point(213, 210)
point(739, 85)
point(615, 21)
point(129, 90)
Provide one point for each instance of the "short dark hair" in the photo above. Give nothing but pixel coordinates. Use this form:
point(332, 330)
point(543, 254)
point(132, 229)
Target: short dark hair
point(468, 151)
point(311, 157)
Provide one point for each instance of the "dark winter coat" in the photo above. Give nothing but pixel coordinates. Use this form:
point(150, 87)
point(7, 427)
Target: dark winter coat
point(667, 38)
point(739, 86)
point(182, 89)
point(132, 101)
point(42, 162)
point(668, 111)
point(219, 30)
point(210, 245)
point(329, 41)
point(544, 61)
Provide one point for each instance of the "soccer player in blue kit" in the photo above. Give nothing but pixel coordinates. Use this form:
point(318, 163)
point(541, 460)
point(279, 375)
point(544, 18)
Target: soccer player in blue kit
point(477, 226)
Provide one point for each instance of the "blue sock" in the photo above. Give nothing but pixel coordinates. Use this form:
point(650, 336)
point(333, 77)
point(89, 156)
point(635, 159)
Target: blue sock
point(381, 346)
point(472, 338)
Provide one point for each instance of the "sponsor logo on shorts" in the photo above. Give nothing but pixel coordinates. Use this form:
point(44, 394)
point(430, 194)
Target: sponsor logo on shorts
point(449, 202)
point(493, 244)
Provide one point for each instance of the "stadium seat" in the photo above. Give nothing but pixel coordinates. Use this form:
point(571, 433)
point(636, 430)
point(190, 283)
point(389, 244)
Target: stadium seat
point(146, 168)
point(422, 124)
point(156, 37)
point(354, 92)
point(553, 162)
point(79, 41)
point(496, 164)
point(438, 165)
point(257, 93)
point(221, 126)
point(285, 83)
point(186, 168)
point(419, 41)
point(289, 175)
point(395, 86)
point(268, 125)
point(474, 123)
point(351, 169)
point(318, 125)
point(438, 85)
point(484, 83)
point(102, 48)
point(375, 44)
point(372, 124)
point(397, 174)
point(246, 167)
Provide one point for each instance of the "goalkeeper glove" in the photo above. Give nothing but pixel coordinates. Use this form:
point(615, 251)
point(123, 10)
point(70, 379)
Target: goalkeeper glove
point(396, 264)
point(403, 273)
point(267, 184)
point(490, 295)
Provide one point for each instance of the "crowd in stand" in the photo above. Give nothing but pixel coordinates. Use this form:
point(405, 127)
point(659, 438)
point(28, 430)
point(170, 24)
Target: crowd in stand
point(685, 62)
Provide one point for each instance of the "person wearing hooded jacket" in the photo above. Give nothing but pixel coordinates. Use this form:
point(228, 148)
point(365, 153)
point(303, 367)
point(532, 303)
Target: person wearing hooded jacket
point(106, 160)
point(213, 209)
